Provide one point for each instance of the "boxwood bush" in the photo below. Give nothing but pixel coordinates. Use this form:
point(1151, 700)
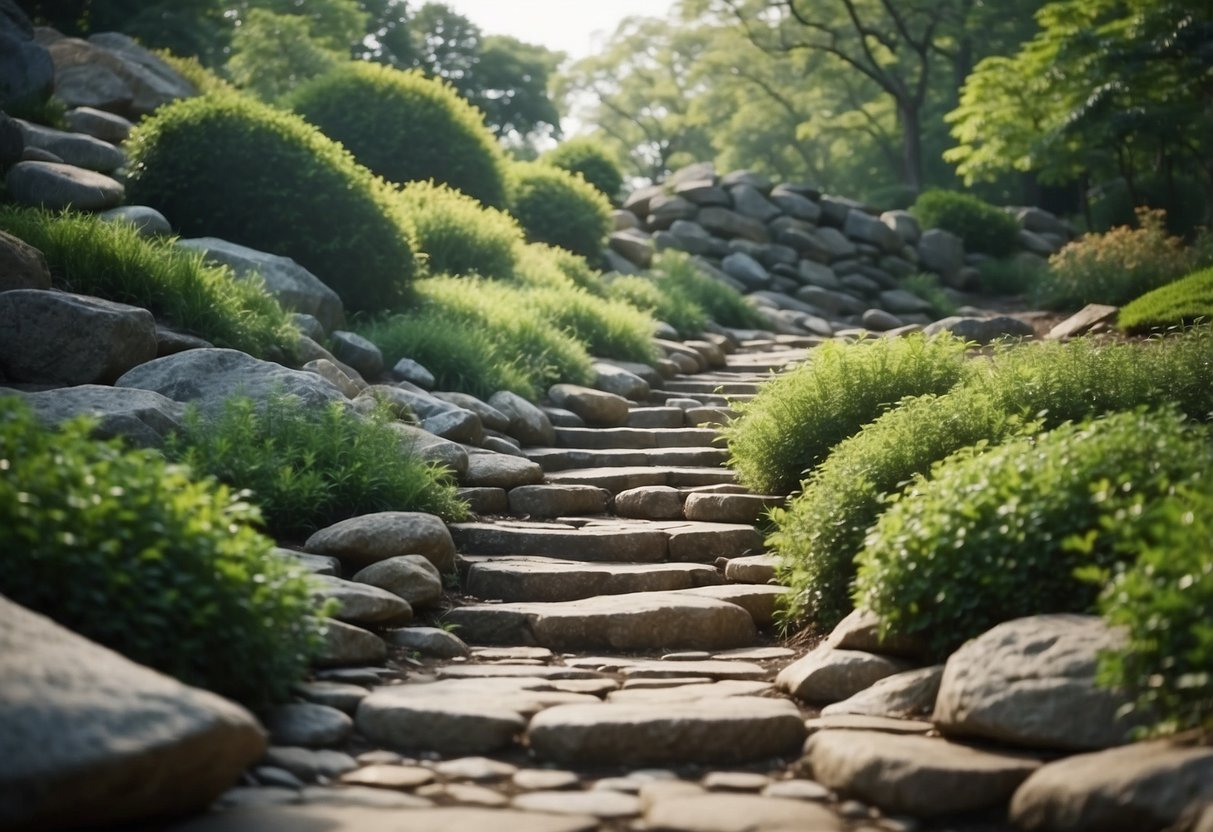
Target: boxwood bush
point(559, 208)
point(309, 467)
point(111, 260)
point(406, 127)
point(1031, 386)
point(1185, 301)
point(999, 535)
point(229, 167)
point(590, 158)
point(458, 235)
point(142, 557)
point(983, 227)
point(1162, 597)
point(794, 421)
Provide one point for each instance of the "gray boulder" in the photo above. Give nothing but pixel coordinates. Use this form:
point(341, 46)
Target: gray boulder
point(92, 739)
point(595, 407)
point(371, 538)
point(27, 74)
point(147, 221)
point(73, 148)
point(411, 577)
point(836, 244)
point(352, 349)
point(748, 271)
point(725, 223)
point(141, 417)
point(795, 205)
point(942, 252)
point(1031, 682)
point(55, 185)
point(905, 224)
point(49, 337)
point(112, 72)
point(108, 127)
point(749, 202)
point(208, 377)
point(982, 330)
point(634, 245)
point(21, 265)
point(862, 226)
point(295, 287)
point(528, 424)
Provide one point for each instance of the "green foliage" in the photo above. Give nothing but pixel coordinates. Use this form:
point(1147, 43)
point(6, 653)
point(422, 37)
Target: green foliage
point(1035, 385)
point(794, 421)
point(1162, 597)
point(676, 272)
point(308, 468)
point(458, 235)
point(204, 80)
point(998, 534)
point(1019, 275)
point(406, 127)
point(928, 287)
point(663, 300)
point(140, 556)
point(590, 158)
point(556, 207)
point(229, 167)
point(478, 337)
point(608, 328)
point(983, 227)
point(272, 54)
point(1117, 266)
point(111, 260)
point(1185, 301)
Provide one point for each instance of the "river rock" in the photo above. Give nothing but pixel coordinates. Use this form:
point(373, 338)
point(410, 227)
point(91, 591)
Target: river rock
point(371, 538)
point(147, 221)
point(595, 407)
point(73, 148)
point(1031, 682)
point(108, 127)
point(411, 577)
point(428, 641)
point(59, 338)
point(348, 646)
point(863, 227)
point(307, 725)
point(359, 603)
point(55, 185)
point(112, 72)
point(93, 739)
point(942, 252)
point(982, 330)
point(528, 424)
point(737, 813)
point(902, 695)
point(830, 675)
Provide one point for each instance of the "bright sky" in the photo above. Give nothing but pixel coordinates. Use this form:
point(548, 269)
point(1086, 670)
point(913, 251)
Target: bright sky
point(578, 27)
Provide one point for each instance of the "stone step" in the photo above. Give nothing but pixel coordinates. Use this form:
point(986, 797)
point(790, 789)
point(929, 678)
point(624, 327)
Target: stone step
point(607, 542)
point(728, 508)
point(547, 501)
point(697, 384)
point(704, 399)
point(650, 416)
point(550, 579)
point(634, 622)
point(562, 459)
point(635, 438)
point(621, 479)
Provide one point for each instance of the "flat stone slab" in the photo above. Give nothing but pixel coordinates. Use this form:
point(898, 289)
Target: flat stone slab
point(758, 600)
point(752, 569)
point(728, 508)
point(637, 621)
point(731, 730)
point(558, 500)
point(546, 579)
point(634, 438)
point(562, 459)
point(704, 542)
point(690, 693)
point(621, 479)
point(656, 417)
point(738, 813)
point(601, 803)
point(919, 776)
point(654, 669)
point(603, 543)
point(514, 671)
point(361, 819)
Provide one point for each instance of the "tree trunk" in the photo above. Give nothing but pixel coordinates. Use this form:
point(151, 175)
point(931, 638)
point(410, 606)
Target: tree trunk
point(911, 144)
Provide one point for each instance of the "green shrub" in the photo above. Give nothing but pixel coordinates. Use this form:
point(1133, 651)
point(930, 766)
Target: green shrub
point(1162, 597)
point(308, 468)
point(573, 266)
point(515, 347)
point(726, 306)
point(608, 328)
point(1183, 302)
point(406, 127)
point(822, 529)
point(558, 208)
point(794, 421)
point(983, 227)
point(1115, 267)
point(191, 69)
point(1019, 275)
point(928, 287)
point(229, 167)
point(661, 299)
point(141, 557)
point(590, 158)
point(458, 235)
point(999, 535)
point(111, 260)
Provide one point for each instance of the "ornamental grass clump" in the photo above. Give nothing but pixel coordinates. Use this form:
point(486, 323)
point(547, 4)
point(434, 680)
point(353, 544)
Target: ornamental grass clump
point(999, 534)
point(310, 467)
point(112, 260)
point(227, 166)
point(608, 328)
point(1186, 301)
point(149, 560)
point(795, 419)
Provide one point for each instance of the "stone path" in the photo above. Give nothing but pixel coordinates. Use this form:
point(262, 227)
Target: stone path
point(620, 661)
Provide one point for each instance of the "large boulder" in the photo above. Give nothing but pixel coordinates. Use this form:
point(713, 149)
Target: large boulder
point(91, 739)
point(371, 538)
point(55, 185)
point(141, 417)
point(827, 674)
point(293, 286)
point(208, 377)
point(21, 265)
point(111, 72)
point(942, 252)
point(1031, 682)
point(49, 337)
point(27, 74)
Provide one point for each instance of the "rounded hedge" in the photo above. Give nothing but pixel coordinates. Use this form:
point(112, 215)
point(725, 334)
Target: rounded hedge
point(458, 235)
point(227, 166)
point(138, 555)
point(592, 160)
point(983, 227)
point(999, 535)
point(406, 127)
point(559, 208)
